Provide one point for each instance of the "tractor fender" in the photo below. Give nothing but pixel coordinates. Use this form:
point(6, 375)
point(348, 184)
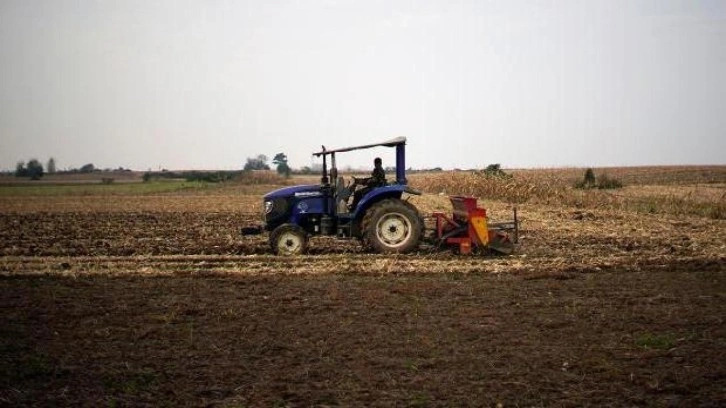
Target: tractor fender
point(381, 193)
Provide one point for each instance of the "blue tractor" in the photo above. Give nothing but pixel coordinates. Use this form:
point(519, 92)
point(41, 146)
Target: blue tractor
point(380, 219)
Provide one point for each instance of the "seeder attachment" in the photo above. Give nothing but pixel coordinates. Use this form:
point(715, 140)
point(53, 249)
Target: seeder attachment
point(469, 228)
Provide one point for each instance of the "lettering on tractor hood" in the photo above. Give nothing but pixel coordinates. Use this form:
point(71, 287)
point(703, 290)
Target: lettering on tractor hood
point(297, 191)
point(308, 194)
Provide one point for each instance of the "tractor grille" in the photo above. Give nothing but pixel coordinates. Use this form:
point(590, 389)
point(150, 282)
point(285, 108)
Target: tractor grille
point(277, 211)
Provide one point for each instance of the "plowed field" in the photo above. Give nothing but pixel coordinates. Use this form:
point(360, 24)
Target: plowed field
point(111, 300)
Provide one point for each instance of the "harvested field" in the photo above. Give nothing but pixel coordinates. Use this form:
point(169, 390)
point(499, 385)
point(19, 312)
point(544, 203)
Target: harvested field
point(155, 299)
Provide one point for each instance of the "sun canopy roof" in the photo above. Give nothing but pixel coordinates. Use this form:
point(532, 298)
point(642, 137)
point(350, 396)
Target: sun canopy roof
point(389, 143)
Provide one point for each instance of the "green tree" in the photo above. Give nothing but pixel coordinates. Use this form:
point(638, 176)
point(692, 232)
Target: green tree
point(21, 170)
point(51, 166)
point(35, 169)
point(280, 161)
point(257, 163)
point(88, 168)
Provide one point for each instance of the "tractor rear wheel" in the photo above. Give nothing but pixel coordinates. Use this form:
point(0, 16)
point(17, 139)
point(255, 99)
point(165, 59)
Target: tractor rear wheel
point(288, 239)
point(392, 226)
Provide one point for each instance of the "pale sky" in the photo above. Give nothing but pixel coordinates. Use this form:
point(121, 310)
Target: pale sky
point(204, 84)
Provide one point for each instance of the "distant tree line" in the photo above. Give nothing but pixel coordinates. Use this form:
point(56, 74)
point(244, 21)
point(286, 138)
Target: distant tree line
point(34, 169)
point(86, 168)
point(191, 176)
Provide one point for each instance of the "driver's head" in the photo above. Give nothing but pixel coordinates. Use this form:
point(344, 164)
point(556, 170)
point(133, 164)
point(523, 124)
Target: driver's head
point(377, 162)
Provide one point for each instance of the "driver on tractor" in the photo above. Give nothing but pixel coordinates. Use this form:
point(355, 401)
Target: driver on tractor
point(377, 179)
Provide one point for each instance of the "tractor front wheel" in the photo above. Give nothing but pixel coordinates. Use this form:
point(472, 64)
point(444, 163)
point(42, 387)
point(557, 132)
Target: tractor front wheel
point(288, 239)
point(392, 226)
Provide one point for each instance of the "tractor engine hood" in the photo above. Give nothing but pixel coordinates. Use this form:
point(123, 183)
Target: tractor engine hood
point(312, 190)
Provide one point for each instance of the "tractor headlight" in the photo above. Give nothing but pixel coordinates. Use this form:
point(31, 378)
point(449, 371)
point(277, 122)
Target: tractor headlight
point(268, 207)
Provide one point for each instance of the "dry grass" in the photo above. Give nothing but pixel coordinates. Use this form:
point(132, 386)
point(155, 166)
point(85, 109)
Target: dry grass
point(256, 177)
point(701, 191)
point(517, 189)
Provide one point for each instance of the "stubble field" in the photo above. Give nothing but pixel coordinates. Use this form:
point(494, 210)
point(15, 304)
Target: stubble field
point(124, 297)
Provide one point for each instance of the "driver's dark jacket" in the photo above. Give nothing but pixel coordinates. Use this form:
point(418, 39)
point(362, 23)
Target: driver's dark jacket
point(378, 177)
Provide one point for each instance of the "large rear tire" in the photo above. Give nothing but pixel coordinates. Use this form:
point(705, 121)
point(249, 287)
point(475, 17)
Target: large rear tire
point(392, 226)
point(288, 240)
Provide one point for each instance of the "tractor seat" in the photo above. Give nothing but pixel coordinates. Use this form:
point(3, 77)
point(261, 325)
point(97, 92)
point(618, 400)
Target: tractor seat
point(342, 194)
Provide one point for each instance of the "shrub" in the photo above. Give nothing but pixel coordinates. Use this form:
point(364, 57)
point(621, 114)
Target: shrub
point(588, 180)
point(603, 182)
point(495, 170)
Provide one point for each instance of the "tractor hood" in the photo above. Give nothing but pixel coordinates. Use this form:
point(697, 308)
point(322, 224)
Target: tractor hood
point(312, 190)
